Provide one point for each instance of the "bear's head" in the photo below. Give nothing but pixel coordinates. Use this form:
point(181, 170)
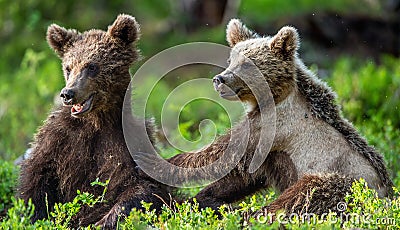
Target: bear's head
point(95, 65)
point(274, 56)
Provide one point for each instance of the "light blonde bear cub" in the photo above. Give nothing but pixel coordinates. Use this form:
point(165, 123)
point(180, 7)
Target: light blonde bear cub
point(320, 149)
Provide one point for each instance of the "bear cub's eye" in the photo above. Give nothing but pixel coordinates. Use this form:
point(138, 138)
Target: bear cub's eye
point(247, 65)
point(93, 69)
point(67, 71)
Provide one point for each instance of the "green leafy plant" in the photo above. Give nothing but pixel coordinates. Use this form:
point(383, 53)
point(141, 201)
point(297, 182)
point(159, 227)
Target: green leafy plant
point(8, 179)
point(367, 211)
point(19, 215)
point(63, 213)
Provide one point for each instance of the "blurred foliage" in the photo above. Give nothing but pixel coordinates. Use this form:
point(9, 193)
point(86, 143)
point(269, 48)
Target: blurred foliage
point(29, 96)
point(370, 98)
point(259, 11)
point(30, 79)
point(367, 90)
point(30, 75)
point(8, 179)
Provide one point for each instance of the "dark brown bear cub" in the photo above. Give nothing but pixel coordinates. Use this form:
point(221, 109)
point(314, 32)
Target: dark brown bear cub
point(83, 140)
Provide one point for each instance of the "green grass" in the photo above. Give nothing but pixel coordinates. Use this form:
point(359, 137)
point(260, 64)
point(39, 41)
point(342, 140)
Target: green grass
point(8, 180)
point(363, 210)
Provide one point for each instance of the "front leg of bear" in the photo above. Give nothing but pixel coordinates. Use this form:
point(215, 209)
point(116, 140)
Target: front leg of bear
point(277, 171)
point(40, 184)
point(38, 177)
point(132, 198)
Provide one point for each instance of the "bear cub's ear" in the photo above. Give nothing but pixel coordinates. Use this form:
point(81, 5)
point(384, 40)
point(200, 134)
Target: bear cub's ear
point(236, 32)
point(125, 29)
point(285, 43)
point(60, 38)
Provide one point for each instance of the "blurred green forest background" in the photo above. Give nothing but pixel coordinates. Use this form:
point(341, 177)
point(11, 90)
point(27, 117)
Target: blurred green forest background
point(352, 44)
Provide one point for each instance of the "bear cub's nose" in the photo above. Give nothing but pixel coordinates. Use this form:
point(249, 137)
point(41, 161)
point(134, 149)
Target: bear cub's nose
point(67, 95)
point(218, 80)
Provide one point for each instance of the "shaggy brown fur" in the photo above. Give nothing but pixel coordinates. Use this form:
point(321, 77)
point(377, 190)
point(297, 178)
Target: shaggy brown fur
point(311, 194)
point(309, 128)
point(83, 140)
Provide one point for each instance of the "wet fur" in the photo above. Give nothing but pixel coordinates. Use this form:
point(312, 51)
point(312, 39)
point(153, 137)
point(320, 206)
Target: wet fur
point(326, 150)
point(69, 153)
point(278, 170)
point(311, 194)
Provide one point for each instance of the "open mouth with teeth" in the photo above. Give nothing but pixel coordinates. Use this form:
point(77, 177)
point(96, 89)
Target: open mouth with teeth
point(81, 108)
